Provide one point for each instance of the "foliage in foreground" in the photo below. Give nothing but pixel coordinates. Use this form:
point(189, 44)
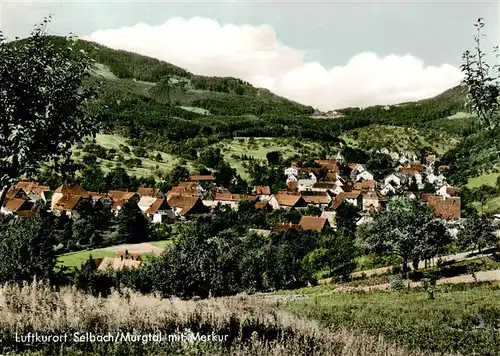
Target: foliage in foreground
point(459, 320)
point(253, 326)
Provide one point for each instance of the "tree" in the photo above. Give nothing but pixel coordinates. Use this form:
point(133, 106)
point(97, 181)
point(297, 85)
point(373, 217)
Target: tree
point(92, 179)
point(44, 94)
point(407, 229)
point(477, 232)
point(224, 174)
point(210, 157)
point(482, 87)
point(484, 193)
point(158, 157)
point(335, 251)
point(273, 157)
point(346, 217)
point(179, 174)
point(27, 248)
point(380, 165)
point(132, 225)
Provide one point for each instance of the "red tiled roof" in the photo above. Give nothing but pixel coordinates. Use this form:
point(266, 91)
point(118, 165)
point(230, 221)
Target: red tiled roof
point(315, 223)
point(67, 202)
point(72, 190)
point(262, 190)
point(317, 199)
point(201, 177)
point(354, 194)
point(343, 196)
point(408, 171)
point(448, 209)
point(289, 200)
point(31, 187)
point(148, 192)
point(262, 205)
point(234, 197)
point(365, 185)
point(430, 158)
point(159, 204)
point(39, 189)
point(119, 195)
point(13, 192)
point(288, 192)
point(14, 204)
point(186, 203)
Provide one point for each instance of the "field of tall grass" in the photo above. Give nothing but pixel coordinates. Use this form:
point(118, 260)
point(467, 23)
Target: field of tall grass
point(248, 325)
point(461, 319)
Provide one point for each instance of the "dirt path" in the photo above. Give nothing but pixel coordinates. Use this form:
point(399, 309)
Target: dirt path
point(483, 276)
point(462, 256)
point(144, 247)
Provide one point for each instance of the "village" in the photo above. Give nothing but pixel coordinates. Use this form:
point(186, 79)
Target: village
point(327, 186)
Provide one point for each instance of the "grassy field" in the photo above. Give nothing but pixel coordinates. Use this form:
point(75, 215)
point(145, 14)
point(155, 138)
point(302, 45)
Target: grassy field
point(453, 322)
point(399, 138)
point(148, 166)
point(76, 259)
point(242, 326)
point(234, 148)
point(231, 149)
point(161, 244)
point(485, 179)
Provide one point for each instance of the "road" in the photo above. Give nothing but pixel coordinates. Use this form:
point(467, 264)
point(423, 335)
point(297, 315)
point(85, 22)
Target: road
point(483, 276)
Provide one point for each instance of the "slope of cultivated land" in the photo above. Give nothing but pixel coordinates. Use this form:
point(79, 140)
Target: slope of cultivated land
point(259, 147)
point(148, 166)
point(484, 179)
point(397, 138)
point(242, 326)
point(461, 319)
point(76, 259)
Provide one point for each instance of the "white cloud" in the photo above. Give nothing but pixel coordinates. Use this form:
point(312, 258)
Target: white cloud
point(255, 54)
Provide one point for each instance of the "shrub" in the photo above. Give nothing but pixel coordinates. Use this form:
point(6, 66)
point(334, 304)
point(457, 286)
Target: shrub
point(396, 283)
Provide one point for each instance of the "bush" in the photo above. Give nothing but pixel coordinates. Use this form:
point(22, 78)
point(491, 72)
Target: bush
point(396, 283)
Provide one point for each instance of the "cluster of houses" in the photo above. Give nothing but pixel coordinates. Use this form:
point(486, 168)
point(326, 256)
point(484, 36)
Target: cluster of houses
point(326, 186)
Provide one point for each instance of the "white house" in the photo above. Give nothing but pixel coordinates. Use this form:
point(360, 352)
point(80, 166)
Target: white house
point(292, 171)
point(393, 180)
point(431, 178)
point(394, 156)
point(364, 175)
point(330, 216)
point(145, 202)
point(418, 179)
point(388, 188)
point(305, 184)
point(160, 210)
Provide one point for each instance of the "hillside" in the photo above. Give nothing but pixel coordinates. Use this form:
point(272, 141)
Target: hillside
point(167, 109)
point(167, 83)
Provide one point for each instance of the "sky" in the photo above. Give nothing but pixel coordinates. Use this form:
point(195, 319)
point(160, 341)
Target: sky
point(327, 54)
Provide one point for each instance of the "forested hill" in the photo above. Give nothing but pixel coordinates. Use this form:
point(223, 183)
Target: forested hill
point(169, 108)
point(131, 73)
